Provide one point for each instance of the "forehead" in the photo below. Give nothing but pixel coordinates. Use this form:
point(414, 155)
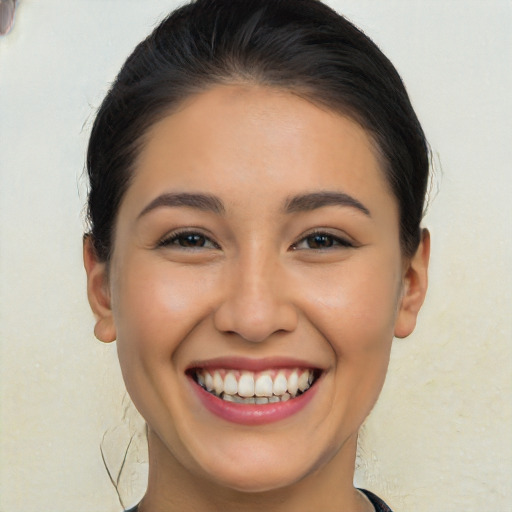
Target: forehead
point(253, 145)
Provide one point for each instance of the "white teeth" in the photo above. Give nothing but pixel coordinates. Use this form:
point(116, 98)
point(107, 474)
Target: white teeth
point(243, 386)
point(304, 380)
point(246, 385)
point(230, 384)
point(263, 386)
point(218, 383)
point(280, 384)
point(293, 383)
point(208, 381)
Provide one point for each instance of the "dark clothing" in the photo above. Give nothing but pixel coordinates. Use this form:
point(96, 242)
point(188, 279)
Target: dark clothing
point(379, 505)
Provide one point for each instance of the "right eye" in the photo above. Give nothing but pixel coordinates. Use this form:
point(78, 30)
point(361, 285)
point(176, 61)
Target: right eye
point(188, 240)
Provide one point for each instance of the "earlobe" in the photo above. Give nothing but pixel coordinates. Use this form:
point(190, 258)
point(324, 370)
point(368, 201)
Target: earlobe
point(415, 284)
point(98, 293)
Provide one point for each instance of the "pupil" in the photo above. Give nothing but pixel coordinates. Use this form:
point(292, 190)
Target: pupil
point(192, 241)
point(320, 241)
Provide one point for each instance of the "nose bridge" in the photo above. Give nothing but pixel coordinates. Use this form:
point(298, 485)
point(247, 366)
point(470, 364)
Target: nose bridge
point(255, 304)
point(256, 285)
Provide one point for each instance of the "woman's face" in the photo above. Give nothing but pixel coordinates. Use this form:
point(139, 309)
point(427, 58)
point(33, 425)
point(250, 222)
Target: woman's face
point(256, 253)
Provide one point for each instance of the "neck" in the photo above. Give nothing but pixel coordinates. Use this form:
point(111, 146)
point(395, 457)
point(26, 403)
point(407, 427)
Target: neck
point(172, 487)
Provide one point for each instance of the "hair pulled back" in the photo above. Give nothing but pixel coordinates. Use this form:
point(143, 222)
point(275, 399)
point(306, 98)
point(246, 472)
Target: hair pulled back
point(299, 45)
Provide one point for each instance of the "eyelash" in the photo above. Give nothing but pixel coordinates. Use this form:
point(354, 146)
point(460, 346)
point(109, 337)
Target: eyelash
point(177, 239)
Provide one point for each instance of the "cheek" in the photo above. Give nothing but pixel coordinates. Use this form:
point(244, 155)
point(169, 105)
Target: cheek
point(355, 306)
point(156, 305)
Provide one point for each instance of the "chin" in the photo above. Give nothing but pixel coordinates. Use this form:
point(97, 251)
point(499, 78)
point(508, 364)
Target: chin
point(262, 469)
point(255, 479)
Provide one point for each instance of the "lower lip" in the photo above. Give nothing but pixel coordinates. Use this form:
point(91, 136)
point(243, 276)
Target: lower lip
point(253, 414)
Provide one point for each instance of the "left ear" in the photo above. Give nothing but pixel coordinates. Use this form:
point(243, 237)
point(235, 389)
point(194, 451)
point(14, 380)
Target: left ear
point(415, 282)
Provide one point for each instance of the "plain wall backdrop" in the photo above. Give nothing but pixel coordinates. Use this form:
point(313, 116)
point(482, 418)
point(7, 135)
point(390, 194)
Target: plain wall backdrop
point(440, 437)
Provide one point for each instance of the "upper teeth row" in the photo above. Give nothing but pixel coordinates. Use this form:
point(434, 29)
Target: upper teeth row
point(247, 384)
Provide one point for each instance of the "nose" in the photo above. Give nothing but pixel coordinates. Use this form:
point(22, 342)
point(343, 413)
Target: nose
point(256, 302)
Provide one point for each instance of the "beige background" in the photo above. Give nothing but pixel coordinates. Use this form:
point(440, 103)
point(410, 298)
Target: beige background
point(440, 439)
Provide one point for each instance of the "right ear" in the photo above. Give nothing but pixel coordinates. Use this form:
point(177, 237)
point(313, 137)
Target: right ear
point(98, 293)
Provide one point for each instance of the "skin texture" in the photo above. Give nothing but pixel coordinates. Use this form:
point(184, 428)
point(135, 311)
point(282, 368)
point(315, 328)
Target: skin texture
point(256, 288)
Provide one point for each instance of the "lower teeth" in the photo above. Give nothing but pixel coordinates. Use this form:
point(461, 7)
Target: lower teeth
point(258, 400)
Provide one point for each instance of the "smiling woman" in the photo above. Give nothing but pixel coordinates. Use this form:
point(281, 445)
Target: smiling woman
point(257, 186)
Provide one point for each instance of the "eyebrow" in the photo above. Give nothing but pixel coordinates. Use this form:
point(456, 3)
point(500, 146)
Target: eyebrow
point(295, 204)
point(313, 201)
point(202, 202)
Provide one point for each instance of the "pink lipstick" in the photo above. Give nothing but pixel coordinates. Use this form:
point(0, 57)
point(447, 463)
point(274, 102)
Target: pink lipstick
point(254, 392)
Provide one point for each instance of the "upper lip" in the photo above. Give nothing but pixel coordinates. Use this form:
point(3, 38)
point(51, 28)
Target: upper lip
point(252, 365)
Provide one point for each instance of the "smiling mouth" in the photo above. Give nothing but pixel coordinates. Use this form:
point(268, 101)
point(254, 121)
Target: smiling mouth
point(246, 387)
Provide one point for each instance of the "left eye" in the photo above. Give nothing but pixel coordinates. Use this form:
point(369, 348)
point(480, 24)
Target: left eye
point(321, 241)
point(188, 240)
